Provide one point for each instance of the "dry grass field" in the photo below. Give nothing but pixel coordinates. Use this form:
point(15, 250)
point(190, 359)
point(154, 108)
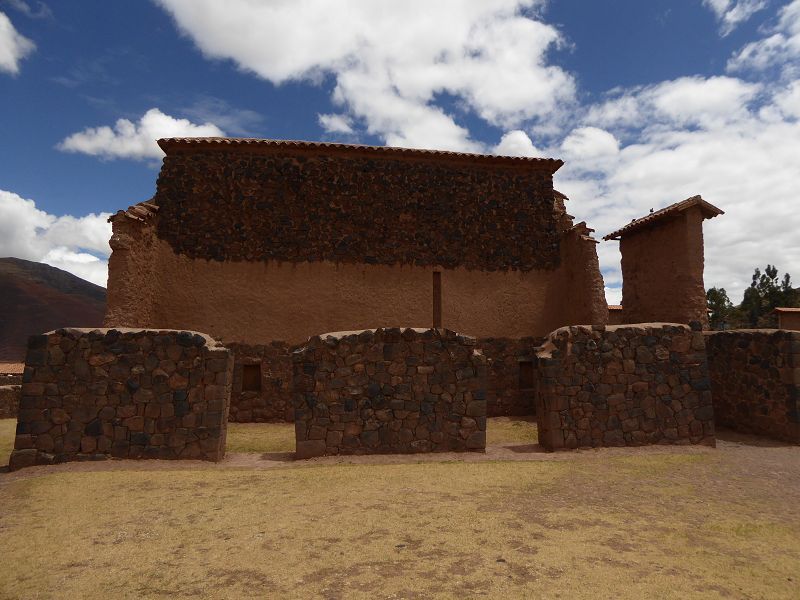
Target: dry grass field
point(655, 522)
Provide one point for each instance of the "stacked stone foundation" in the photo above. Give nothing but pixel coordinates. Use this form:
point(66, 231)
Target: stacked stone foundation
point(95, 394)
point(626, 385)
point(755, 381)
point(389, 391)
point(271, 402)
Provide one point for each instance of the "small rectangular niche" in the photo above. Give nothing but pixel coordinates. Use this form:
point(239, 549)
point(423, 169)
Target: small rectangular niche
point(437, 300)
point(251, 378)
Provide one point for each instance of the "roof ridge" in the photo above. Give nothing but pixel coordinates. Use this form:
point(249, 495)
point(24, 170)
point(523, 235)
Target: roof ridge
point(168, 143)
point(710, 211)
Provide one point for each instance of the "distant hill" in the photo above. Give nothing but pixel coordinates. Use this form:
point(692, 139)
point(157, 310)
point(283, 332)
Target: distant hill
point(35, 298)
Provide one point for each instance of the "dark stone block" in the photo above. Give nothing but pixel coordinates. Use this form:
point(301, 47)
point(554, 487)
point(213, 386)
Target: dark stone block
point(94, 428)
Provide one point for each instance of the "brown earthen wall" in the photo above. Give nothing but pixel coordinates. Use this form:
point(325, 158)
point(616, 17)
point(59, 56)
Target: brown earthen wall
point(9, 401)
point(755, 381)
point(662, 271)
point(790, 321)
point(255, 303)
point(389, 391)
point(91, 394)
point(624, 386)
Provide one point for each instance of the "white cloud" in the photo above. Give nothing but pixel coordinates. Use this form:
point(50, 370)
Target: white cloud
point(730, 13)
point(334, 123)
point(780, 47)
point(516, 143)
point(13, 46)
point(42, 11)
point(135, 140)
point(687, 101)
point(702, 136)
point(391, 60)
point(78, 245)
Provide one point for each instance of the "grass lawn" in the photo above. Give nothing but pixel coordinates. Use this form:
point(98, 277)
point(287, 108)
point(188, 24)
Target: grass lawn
point(674, 523)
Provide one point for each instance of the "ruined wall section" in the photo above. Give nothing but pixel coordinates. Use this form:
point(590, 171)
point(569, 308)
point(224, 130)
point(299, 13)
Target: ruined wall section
point(133, 273)
point(662, 271)
point(94, 394)
point(389, 391)
point(624, 386)
point(9, 400)
point(579, 295)
point(755, 381)
point(510, 375)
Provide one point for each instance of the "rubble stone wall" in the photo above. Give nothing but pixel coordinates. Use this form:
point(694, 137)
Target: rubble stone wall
point(389, 391)
point(755, 381)
point(93, 394)
point(507, 392)
point(625, 385)
point(9, 400)
point(273, 401)
point(302, 204)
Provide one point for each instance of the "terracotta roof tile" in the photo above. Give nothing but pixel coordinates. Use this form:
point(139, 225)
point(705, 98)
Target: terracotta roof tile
point(12, 368)
point(709, 211)
point(785, 309)
point(614, 307)
point(168, 144)
point(138, 212)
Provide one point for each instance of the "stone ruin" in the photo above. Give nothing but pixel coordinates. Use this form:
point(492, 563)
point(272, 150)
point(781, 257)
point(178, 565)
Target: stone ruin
point(264, 244)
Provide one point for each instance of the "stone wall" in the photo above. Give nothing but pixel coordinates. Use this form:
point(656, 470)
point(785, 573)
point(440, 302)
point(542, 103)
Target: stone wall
point(755, 381)
point(10, 379)
point(93, 394)
point(9, 401)
point(301, 202)
point(624, 386)
point(272, 402)
point(389, 391)
point(511, 375)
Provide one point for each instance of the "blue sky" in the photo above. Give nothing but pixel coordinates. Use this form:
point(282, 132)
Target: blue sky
point(647, 102)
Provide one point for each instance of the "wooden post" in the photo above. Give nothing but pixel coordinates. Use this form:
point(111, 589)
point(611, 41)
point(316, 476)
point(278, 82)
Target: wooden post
point(437, 300)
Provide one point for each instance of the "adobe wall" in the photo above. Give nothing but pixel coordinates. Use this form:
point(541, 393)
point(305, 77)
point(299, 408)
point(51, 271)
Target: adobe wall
point(624, 386)
point(94, 394)
point(273, 402)
point(755, 381)
point(273, 245)
point(389, 391)
point(789, 321)
point(9, 400)
point(662, 271)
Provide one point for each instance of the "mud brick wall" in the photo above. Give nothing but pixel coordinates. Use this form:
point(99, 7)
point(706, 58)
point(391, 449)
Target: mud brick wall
point(93, 394)
point(624, 385)
point(310, 204)
point(9, 401)
point(508, 391)
point(389, 391)
point(755, 381)
point(273, 401)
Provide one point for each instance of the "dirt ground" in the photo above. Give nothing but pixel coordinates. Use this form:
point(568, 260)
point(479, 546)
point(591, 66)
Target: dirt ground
point(666, 522)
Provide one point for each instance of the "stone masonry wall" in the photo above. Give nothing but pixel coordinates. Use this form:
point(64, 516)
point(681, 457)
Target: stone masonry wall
point(755, 381)
point(91, 394)
point(9, 401)
point(300, 203)
point(273, 402)
point(624, 386)
point(504, 396)
point(389, 391)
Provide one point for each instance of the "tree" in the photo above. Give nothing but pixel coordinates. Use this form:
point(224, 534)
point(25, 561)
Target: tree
point(766, 293)
point(723, 312)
